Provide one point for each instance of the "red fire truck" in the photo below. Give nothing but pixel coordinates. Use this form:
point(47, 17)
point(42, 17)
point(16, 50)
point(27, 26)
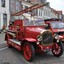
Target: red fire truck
point(32, 37)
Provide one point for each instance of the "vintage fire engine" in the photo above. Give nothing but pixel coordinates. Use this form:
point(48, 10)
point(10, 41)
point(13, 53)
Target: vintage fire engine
point(32, 37)
point(56, 26)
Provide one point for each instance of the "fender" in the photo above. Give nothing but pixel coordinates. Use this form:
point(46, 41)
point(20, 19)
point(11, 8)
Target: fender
point(30, 39)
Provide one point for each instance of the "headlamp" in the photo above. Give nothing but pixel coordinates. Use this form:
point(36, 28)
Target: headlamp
point(39, 38)
point(56, 36)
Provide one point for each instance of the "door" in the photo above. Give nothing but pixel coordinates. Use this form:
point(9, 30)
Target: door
point(4, 20)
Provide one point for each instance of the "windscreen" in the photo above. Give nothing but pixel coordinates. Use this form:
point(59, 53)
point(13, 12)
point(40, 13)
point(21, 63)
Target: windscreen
point(36, 22)
point(57, 25)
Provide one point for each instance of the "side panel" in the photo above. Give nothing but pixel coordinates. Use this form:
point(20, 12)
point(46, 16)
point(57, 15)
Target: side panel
point(30, 39)
point(18, 25)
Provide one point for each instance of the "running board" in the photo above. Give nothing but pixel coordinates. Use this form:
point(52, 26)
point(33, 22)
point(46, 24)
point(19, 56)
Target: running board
point(12, 34)
point(15, 41)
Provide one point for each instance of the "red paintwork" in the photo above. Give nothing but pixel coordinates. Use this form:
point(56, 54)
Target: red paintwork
point(27, 52)
point(42, 48)
point(28, 33)
point(57, 49)
point(18, 47)
point(61, 36)
point(33, 30)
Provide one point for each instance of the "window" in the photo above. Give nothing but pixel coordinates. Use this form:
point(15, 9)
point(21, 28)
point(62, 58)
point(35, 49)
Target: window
point(36, 12)
point(44, 13)
point(12, 6)
point(25, 0)
point(3, 3)
point(17, 7)
point(26, 7)
point(39, 12)
point(5, 19)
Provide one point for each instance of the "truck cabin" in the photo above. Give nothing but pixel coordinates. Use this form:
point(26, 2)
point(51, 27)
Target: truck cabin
point(54, 23)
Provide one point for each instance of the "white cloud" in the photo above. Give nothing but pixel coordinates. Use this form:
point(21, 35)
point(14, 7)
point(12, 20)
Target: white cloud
point(57, 4)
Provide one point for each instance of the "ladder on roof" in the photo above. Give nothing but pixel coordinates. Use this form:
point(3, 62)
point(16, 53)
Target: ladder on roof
point(36, 6)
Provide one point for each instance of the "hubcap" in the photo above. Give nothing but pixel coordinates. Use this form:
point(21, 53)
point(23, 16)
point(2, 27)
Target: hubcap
point(27, 52)
point(57, 49)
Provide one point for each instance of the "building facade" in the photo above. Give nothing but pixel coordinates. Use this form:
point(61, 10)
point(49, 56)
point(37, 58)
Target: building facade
point(14, 6)
point(4, 13)
point(45, 12)
point(7, 7)
point(60, 14)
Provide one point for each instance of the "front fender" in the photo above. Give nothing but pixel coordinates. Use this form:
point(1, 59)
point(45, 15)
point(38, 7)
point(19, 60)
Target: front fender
point(30, 39)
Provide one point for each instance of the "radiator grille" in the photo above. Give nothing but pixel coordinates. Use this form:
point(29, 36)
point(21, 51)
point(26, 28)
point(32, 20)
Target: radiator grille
point(47, 38)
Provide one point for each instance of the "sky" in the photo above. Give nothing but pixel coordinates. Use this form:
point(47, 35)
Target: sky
point(57, 4)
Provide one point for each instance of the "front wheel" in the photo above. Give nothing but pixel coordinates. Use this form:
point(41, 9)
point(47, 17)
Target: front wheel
point(57, 49)
point(28, 51)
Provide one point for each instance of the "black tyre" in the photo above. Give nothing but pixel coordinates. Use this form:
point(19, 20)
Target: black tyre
point(28, 50)
point(58, 49)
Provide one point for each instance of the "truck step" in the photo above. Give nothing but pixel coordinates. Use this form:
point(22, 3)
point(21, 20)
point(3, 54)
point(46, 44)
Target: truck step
point(12, 34)
point(15, 41)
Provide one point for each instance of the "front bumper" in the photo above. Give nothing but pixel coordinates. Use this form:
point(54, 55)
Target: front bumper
point(45, 48)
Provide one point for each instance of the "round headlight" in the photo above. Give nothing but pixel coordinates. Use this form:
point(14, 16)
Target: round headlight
point(39, 38)
point(56, 36)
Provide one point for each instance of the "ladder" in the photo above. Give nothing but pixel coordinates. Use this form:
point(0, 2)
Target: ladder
point(30, 9)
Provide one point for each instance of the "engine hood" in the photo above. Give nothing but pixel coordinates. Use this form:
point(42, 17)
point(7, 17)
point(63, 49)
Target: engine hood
point(37, 29)
point(33, 32)
point(37, 32)
point(58, 30)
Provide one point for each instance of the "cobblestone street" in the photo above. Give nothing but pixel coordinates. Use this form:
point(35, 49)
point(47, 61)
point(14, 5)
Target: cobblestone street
point(13, 56)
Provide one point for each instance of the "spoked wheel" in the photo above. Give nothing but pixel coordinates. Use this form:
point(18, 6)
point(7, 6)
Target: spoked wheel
point(58, 49)
point(28, 51)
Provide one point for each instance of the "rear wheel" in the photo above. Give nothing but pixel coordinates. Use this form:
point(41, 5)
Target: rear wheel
point(28, 51)
point(58, 49)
